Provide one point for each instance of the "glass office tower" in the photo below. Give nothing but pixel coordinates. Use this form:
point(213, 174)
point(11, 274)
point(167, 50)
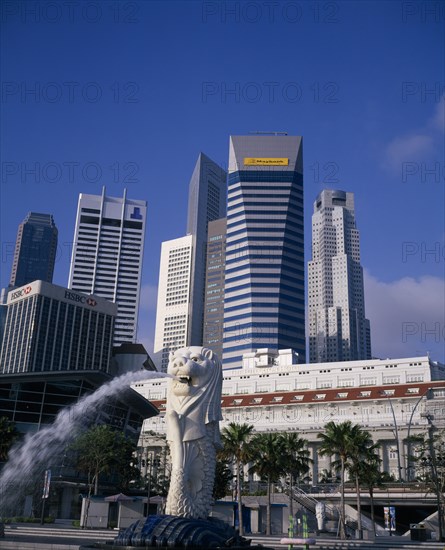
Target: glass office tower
point(264, 274)
point(35, 250)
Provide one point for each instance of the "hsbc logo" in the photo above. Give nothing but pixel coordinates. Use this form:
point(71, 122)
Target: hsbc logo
point(22, 292)
point(80, 299)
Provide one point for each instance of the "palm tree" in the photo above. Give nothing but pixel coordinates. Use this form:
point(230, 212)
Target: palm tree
point(353, 446)
point(336, 441)
point(370, 476)
point(235, 439)
point(296, 461)
point(268, 463)
point(361, 452)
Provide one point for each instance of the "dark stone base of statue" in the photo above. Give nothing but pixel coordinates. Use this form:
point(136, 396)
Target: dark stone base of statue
point(171, 532)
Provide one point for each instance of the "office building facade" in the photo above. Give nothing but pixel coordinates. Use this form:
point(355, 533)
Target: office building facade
point(338, 329)
point(214, 287)
point(49, 328)
point(107, 255)
point(207, 202)
point(173, 310)
point(35, 250)
point(264, 275)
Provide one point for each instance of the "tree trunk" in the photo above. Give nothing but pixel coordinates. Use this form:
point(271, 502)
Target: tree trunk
point(359, 506)
point(268, 514)
point(291, 499)
point(371, 496)
point(342, 500)
point(96, 482)
point(240, 504)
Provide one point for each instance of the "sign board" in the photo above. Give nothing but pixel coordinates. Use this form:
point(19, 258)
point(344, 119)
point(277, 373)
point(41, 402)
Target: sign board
point(249, 161)
point(46, 484)
point(390, 517)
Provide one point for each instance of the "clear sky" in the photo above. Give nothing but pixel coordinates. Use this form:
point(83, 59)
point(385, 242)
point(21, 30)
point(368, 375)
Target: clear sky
point(126, 94)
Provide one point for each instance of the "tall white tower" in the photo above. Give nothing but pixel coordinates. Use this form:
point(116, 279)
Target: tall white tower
point(173, 309)
point(338, 330)
point(107, 255)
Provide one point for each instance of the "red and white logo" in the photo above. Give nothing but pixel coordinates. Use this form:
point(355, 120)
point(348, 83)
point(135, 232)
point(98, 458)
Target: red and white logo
point(28, 289)
point(91, 302)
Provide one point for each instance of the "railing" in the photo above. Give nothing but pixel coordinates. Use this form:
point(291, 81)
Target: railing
point(309, 502)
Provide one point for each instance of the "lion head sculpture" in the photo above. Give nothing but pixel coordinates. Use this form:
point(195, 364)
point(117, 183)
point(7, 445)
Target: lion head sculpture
point(195, 391)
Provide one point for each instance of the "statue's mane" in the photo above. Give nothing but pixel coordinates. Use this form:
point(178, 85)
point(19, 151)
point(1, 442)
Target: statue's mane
point(209, 393)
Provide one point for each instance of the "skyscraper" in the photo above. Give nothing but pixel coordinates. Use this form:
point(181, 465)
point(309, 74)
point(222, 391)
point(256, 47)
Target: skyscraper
point(214, 287)
point(35, 250)
point(173, 305)
point(207, 202)
point(180, 309)
point(107, 255)
point(264, 275)
point(51, 329)
point(338, 330)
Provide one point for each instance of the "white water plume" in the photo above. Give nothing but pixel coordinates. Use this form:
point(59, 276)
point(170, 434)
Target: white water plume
point(30, 457)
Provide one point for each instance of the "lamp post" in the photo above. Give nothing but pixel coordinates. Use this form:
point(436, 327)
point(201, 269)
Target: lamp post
point(399, 464)
point(148, 462)
point(434, 473)
point(408, 457)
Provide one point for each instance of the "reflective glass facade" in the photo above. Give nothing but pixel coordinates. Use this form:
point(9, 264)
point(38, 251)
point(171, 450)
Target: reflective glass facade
point(35, 250)
point(207, 202)
point(214, 289)
point(49, 328)
point(264, 275)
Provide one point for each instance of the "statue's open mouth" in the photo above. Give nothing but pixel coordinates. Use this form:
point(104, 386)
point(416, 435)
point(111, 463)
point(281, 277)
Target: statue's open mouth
point(185, 380)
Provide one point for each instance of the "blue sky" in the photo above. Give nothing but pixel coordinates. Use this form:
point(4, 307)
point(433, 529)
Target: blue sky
point(129, 93)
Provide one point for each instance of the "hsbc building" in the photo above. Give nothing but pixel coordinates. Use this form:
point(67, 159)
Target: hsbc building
point(51, 328)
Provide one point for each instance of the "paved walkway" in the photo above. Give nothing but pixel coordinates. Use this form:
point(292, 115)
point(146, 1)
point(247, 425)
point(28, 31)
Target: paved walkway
point(63, 537)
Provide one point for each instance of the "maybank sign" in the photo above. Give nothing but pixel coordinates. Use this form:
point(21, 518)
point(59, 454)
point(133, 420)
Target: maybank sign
point(266, 161)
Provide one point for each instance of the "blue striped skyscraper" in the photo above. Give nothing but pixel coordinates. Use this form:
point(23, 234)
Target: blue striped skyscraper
point(264, 275)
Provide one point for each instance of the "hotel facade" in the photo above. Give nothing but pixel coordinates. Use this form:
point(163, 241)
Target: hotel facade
point(391, 398)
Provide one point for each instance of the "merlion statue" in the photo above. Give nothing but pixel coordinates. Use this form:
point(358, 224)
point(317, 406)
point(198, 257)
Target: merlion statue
point(193, 413)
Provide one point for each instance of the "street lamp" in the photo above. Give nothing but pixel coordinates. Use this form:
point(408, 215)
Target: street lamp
point(434, 473)
point(408, 457)
point(399, 465)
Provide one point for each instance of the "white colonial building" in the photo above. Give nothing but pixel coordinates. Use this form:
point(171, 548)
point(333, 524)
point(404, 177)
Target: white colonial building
point(391, 398)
